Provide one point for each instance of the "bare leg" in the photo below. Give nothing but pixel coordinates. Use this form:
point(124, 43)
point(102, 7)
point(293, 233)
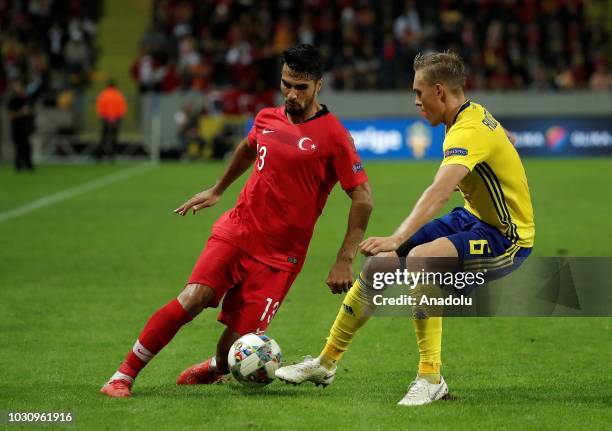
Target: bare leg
point(227, 338)
point(196, 297)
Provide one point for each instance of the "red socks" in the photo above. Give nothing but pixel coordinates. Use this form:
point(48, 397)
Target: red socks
point(158, 332)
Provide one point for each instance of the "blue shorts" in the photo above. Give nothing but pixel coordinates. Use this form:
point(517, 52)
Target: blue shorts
point(480, 246)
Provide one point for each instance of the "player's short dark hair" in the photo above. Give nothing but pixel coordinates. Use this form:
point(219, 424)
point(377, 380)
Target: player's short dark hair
point(304, 59)
point(442, 68)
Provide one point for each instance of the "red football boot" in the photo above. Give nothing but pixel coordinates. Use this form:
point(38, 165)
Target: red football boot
point(200, 374)
point(118, 388)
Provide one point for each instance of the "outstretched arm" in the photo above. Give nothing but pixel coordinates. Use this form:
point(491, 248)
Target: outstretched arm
point(426, 208)
point(340, 276)
point(243, 157)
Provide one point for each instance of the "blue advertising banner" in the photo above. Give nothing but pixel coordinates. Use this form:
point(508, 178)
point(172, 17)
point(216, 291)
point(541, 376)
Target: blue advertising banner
point(566, 137)
point(415, 139)
point(396, 138)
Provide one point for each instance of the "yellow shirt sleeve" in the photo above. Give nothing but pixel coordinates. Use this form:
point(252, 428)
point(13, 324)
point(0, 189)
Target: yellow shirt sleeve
point(465, 146)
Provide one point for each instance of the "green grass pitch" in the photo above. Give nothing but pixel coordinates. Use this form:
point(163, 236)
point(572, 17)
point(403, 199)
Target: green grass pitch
point(79, 278)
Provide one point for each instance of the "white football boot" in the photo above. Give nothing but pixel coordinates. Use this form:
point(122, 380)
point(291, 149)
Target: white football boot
point(309, 370)
point(422, 392)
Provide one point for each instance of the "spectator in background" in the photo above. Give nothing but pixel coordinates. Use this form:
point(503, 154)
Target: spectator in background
point(601, 80)
point(111, 107)
point(509, 45)
point(21, 113)
point(144, 71)
point(49, 45)
point(186, 121)
point(55, 41)
point(77, 58)
point(171, 80)
point(223, 142)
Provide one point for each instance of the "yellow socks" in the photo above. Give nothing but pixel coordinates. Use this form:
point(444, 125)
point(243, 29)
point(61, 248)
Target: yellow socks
point(357, 308)
point(354, 312)
point(330, 355)
point(429, 339)
point(428, 331)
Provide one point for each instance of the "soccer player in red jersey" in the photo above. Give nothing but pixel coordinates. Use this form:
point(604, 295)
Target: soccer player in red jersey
point(298, 151)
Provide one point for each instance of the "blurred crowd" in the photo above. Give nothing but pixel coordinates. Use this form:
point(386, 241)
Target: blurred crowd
point(370, 45)
point(48, 53)
point(48, 44)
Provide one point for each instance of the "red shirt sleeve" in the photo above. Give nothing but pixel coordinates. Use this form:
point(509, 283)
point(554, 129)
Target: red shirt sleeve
point(347, 162)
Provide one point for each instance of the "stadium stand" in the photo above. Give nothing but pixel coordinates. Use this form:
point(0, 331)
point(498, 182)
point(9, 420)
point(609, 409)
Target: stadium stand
point(369, 45)
point(222, 56)
point(48, 44)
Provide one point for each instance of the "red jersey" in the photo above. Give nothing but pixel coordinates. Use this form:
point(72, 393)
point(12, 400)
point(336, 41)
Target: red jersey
point(296, 168)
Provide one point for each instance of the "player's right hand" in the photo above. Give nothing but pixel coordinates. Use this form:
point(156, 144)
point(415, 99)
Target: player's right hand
point(376, 244)
point(340, 278)
point(204, 199)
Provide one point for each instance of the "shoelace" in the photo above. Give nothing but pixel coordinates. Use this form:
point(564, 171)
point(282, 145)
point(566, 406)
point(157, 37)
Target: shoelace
point(307, 362)
point(414, 385)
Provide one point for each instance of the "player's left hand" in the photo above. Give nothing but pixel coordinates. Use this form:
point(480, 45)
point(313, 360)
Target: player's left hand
point(378, 244)
point(201, 200)
point(340, 278)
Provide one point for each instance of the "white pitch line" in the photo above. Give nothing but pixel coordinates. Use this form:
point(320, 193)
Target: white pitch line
point(72, 192)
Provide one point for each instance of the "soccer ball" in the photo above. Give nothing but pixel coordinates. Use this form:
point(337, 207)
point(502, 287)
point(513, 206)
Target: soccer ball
point(253, 359)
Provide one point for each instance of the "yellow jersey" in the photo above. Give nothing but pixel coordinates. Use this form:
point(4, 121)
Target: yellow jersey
point(495, 190)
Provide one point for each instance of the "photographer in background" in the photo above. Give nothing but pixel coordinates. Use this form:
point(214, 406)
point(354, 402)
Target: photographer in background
point(21, 112)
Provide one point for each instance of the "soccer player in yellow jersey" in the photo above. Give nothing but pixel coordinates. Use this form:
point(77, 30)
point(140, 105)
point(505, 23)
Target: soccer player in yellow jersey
point(494, 229)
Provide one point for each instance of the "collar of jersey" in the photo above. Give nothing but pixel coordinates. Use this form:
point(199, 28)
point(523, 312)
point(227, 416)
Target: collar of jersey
point(321, 112)
point(463, 108)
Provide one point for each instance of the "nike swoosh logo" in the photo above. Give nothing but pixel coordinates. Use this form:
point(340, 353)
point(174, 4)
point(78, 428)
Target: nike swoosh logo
point(268, 131)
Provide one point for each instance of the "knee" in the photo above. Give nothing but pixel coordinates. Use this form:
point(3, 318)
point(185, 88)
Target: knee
point(418, 258)
point(196, 297)
point(381, 263)
point(437, 256)
point(420, 251)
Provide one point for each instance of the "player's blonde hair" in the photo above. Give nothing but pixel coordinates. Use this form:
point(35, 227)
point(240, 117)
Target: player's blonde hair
point(442, 68)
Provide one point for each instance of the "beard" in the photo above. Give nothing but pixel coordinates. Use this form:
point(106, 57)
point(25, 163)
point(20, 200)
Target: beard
point(294, 109)
point(297, 109)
